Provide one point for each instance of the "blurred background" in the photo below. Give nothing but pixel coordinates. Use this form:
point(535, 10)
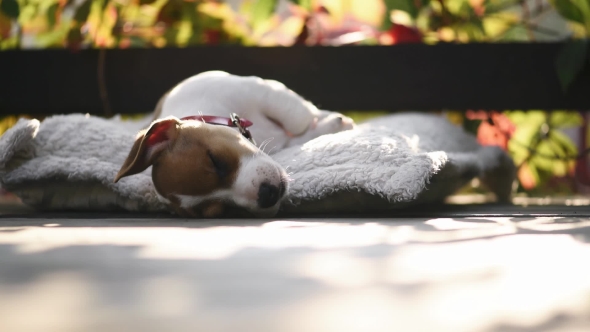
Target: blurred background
point(549, 146)
point(179, 23)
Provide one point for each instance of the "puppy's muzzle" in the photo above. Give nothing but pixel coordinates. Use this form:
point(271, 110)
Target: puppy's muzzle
point(269, 195)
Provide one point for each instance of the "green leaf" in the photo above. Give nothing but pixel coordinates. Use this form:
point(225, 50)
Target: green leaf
point(51, 14)
point(564, 119)
point(570, 9)
point(474, 30)
point(412, 7)
point(518, 152)
point(540, 160)
point(262, 11)
point(27, 13)
point(557, 149)
point(171, 12)
point(516, 117)
point(186, 25)
point(53, 37)
point(83, 11)
point(527, 124)
point(10, 8)
point(560, 167)
point(137, 42)
point(564, 142)
point(459, 8)
point(570, 62)
point(516, 32)
point(499, 6)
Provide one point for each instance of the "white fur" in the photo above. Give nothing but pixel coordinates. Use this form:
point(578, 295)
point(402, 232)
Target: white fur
point(187, 201)
point(253, 172)
point(264, 102)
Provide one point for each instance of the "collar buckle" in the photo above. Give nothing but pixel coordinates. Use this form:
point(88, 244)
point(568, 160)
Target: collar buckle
point(235, 119)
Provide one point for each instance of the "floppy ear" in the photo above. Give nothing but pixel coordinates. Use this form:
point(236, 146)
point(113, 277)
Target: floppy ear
point(148, 145)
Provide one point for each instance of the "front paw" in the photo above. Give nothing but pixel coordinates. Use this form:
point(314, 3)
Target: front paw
point(326, 123)
point(333, 123)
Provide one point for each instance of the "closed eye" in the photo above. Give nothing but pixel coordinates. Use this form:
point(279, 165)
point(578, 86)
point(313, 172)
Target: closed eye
point(221, 168)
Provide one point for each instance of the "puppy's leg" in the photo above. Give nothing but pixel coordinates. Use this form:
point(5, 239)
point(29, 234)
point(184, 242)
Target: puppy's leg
point(327, 123)
point(212, 210)
point(284, 106)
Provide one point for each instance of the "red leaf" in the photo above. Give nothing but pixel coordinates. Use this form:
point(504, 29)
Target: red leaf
point(526, 177)
point(503, 123)
point(212, 37)
point(5, 26)
point(401, 34)
point(478, 7)
point(488, 134)
point(125, 43)
point(582, 174)
point(495, 128)
point(322, 10)
point(304, 34)
point(476, 115)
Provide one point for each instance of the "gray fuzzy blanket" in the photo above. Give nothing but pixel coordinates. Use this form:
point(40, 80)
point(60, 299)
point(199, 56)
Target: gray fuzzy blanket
point(69, 162)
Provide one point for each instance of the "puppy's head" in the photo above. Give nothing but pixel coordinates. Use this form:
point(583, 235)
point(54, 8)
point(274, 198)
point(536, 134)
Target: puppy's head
point(203, 169)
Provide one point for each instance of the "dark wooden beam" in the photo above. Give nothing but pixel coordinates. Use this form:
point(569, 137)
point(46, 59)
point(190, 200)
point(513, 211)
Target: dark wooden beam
point(415, 77)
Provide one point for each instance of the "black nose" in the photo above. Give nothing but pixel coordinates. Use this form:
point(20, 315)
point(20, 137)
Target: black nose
point(268, 195)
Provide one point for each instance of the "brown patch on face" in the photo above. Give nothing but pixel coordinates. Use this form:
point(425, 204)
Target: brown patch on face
point(188, 158)
point(204, 158)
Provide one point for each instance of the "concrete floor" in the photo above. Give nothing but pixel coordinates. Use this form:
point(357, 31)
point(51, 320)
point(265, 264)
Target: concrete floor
point(465, 270)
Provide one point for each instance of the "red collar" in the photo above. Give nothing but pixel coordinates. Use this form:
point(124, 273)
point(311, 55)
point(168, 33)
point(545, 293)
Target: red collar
point(219, 120)
point(233, 121)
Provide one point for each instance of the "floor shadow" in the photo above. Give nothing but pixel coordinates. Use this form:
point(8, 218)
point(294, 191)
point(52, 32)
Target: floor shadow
point(559, 322)
point(422, 211)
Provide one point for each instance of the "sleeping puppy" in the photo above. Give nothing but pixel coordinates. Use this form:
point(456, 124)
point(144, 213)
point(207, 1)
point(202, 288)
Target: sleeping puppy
point(281, 117)
point(205, 170)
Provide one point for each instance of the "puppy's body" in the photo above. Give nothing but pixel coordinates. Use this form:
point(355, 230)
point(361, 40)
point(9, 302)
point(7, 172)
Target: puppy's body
point(201, 169)
point(281, 117)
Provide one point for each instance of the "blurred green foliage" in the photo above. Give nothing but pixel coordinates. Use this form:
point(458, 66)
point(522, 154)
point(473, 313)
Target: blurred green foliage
point(180, 23)
point(540, 148)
